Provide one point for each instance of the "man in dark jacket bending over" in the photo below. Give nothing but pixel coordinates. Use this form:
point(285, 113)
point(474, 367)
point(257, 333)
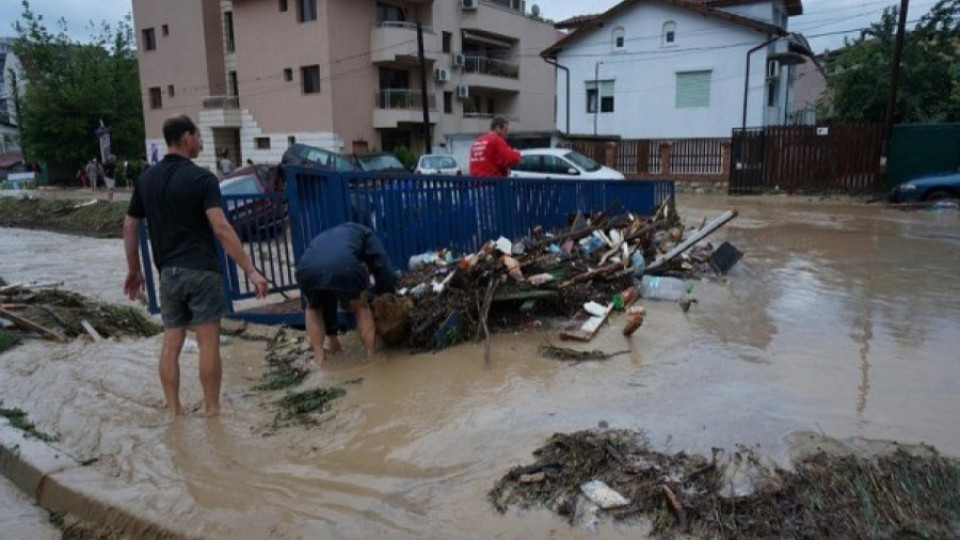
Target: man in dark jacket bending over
point(334, 269)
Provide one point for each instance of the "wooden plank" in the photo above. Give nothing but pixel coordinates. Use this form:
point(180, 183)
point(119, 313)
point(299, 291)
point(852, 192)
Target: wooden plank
point(31, 326)
point(704, 232)
point(584, 325)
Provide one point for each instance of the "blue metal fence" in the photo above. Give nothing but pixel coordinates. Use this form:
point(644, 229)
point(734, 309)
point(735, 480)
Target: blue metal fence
point(410, 213)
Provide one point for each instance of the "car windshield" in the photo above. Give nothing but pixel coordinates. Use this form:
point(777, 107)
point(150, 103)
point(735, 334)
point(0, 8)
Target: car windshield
point(244, 185)
point(379, 162)
point(438, 162)
point(582, 161)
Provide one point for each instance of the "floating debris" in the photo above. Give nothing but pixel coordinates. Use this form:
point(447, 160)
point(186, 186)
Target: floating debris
point(902, 494)
point(573, 355)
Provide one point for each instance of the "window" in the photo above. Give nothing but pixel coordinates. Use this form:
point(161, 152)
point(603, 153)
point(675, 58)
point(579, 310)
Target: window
point(448, 102)
point(618, 38)
point(149, 39)
point(287, 74)
point(156, 99)
point(310, 78)
point(283, 5)
point(306, 10)
point(228, 30)
point(693, 89)
point(262, 143)
point(605, 95)
point(165, 30)
point(390, 13)
point(170, 91)
point(531, 163)
point(234, 84)
point(555, 165)
point(668, 37)
point(447, 41)
point(771, 93)
point(291, 140)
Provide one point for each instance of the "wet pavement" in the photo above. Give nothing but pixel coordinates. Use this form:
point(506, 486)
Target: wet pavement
point(841, 319)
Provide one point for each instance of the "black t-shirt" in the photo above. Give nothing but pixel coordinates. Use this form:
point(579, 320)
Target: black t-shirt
point(173, 196)
point(334, 261)
point(110, 169)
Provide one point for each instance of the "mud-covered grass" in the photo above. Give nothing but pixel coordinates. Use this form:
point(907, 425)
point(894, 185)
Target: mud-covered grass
point(315, 400)
point(900, 495)
point(285, 358)
point(73, 528)
point(18, 419)
point(102, 219)
point(8, 340)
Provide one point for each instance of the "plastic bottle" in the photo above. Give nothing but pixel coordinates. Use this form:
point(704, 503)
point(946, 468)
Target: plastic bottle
point(663, 288)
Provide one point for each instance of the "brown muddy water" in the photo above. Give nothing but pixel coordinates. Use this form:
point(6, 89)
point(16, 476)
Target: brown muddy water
point(842, 318)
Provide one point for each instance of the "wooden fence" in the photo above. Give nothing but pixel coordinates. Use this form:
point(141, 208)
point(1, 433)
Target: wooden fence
point(838, 158)
point(705, 160)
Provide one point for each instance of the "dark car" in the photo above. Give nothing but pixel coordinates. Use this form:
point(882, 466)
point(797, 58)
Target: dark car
point(302, 155)
point(928, 187)
point(253, 203)
point(378, 162)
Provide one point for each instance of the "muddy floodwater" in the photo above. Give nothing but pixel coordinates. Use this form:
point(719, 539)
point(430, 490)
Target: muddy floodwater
point(842, 318)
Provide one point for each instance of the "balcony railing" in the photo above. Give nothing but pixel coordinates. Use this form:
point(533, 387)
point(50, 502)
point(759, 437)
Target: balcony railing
point(404, 99)
point(221, 102)
point(490, 66)
point(403, 24)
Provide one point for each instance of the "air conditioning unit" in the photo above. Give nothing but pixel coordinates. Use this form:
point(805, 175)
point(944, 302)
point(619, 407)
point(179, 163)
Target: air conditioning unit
point(468, 4)
point(457, 59)
point(441, 74)
point(773, 69)
point(463, 92)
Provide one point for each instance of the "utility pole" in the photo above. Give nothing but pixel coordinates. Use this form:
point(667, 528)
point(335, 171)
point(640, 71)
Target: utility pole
point(423, 86)
point(596, 95)
point(894, 82)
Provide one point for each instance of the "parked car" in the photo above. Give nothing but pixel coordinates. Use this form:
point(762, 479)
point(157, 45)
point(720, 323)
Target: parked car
point(378, 162)
point(252, 215)
point(561, 163)
point(437, 164)
point(302, 155)
point(928, 187)
point(267, 174)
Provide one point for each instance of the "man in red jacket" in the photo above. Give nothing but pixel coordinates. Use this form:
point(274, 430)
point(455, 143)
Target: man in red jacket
point(490, 154)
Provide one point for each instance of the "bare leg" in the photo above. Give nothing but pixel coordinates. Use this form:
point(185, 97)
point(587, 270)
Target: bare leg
point(365, 326)
point(315, 333)
point(208, 341)
point(169, 367)
point(110, 195)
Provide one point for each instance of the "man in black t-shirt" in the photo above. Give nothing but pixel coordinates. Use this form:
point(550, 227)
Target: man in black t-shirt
point(181, 203)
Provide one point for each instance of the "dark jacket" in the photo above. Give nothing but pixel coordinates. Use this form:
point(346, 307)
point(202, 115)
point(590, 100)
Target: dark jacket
point(335, 258)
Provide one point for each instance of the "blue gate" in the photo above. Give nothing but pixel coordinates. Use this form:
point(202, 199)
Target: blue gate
point(411, 214)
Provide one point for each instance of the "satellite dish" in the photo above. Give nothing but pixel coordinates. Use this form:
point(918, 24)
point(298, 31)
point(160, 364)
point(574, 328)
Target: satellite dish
point(535, 10)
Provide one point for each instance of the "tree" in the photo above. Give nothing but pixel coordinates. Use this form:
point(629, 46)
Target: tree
point(70, 87)
point(929, 88)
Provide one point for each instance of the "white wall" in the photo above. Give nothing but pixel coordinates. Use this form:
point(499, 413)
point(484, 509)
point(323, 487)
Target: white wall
point(645, 75)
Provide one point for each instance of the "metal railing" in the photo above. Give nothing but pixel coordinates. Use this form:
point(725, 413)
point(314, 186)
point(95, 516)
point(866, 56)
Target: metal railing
point(484, 65)
point(221, 102)
point(402, 24)
point(404, 99)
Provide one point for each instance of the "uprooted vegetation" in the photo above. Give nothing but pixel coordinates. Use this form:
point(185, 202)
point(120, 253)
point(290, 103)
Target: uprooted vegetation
point(18, 419)
point(903, 494)
point(92, 218)
point(58, 314)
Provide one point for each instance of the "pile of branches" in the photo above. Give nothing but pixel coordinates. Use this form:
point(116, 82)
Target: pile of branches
point(553, 273)
point(903, 494)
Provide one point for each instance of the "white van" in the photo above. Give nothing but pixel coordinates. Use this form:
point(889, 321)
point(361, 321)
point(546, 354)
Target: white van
point(560, 163)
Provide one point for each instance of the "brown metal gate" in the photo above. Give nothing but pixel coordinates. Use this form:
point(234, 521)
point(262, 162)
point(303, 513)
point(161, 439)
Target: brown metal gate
point(842, 158)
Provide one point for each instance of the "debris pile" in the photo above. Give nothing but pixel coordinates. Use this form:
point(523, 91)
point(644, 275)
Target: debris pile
point(579, 274)
point(91, 218)
point(588, 476)
point(59, 315)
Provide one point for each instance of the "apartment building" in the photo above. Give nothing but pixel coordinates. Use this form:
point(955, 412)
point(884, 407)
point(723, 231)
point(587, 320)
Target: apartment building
point(344, 75)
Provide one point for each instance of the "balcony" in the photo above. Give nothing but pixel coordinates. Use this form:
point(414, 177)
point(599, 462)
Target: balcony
point(401, 106)
point(221, 112)
point(394, 42)
point(491, 74)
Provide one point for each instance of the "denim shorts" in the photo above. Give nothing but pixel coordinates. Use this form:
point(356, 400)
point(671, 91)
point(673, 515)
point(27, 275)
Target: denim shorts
point(190, 297)
point(326, 302)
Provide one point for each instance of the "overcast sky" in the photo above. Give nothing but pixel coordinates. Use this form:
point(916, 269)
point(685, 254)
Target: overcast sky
point(820, 16)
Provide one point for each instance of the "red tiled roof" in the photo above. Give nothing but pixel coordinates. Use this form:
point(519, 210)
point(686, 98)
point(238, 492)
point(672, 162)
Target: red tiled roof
point(10, 159)
point(576, 21)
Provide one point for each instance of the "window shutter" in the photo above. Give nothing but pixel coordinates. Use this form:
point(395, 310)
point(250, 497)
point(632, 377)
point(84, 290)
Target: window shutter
point(693, 89)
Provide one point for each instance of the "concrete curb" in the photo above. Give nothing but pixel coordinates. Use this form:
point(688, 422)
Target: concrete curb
point(56, 483)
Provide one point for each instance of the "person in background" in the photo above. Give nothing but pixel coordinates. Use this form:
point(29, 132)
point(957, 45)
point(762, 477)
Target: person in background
point(490, 155)
point(226, 166)
point(110, 176)
point(334, 269)
point(82, 176)
point(182, 204)
point(93, 171)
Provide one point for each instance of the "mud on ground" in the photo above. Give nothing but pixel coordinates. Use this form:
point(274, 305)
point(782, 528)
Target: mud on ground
point(99, 219)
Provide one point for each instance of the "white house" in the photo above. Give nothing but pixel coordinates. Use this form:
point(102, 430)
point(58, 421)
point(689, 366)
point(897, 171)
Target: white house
point(677, 68)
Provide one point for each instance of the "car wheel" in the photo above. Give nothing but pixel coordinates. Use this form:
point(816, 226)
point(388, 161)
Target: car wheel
point(939, 195)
